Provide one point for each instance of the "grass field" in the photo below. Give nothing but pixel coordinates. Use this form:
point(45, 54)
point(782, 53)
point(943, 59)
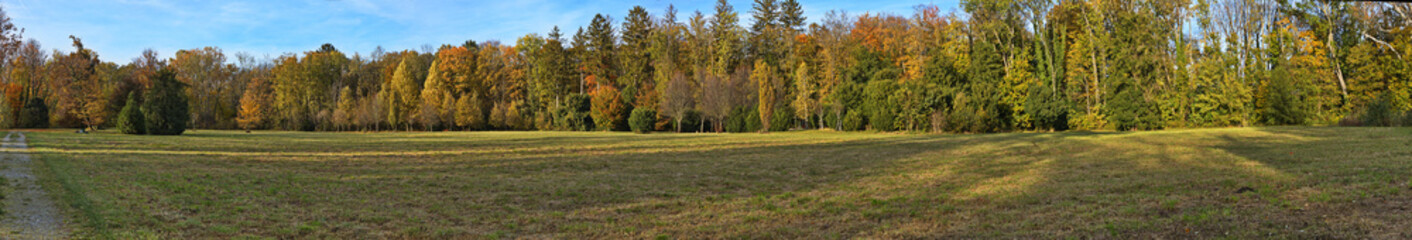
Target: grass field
point(1301, 182)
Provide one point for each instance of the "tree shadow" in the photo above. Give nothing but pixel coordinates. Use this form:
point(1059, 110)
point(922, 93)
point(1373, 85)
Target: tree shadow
point(1181, 184)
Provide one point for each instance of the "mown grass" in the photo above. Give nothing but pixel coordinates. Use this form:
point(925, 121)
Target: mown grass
point(1302, 182)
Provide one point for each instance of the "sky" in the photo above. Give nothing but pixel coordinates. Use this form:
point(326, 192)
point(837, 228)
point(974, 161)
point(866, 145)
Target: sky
point(119, 30)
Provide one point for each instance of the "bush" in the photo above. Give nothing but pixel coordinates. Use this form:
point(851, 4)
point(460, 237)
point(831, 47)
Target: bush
point(34, 114)
point(881, 112)
point(164, 106)
point(130, 119)
point(853, 121)
point(1407, 119)
point(691, 121)
point(1350, 121)
point(752, 121)
point(1378, 113)
point(609, 110)
point(1281, 104)
point(575, 115)
point(782, 120)
point(739, 120)
point(642, 120)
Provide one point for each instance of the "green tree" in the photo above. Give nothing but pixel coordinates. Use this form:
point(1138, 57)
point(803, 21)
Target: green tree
point(636, 57)
point(130, 119)
point(164, 106)
point(643, 120)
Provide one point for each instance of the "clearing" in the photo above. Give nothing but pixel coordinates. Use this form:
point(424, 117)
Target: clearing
point(1286, 182)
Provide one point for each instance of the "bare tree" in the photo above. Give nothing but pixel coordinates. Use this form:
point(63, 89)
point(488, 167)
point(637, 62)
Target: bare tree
point(677, 100)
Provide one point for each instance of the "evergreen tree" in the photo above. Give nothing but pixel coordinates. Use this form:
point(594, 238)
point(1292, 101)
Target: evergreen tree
point(130, 119)
point(165, 106)
point(984, 91)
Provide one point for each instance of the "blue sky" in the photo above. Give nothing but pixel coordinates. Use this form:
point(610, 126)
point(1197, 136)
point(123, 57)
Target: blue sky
point(120, 29)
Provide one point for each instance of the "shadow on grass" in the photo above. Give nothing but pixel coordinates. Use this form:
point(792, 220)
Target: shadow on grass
point(795, 185)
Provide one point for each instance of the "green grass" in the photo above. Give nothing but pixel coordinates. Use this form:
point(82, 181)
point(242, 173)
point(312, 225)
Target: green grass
point(1308, 182)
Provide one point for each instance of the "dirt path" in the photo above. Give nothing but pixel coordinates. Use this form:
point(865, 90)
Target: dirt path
point(29, 212)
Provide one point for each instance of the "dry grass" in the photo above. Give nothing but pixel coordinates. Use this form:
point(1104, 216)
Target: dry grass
point(1306, 182)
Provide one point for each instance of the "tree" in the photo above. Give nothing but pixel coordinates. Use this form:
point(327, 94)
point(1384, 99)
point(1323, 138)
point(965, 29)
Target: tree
point(404, 95)
point(254, 104)
point(81, 94)
point(769, 90)
point(164, 106)
point(435, 93)
point(636, 56)
point(34, 114)
point(130, 119)
point(600, 59)
point(212, 86)
point(469, 113)
point(765, 32)
point(1281, 102)
point(677, 99)
point(984, 91)
point(301, 86)
point(609, 109)
point(806, 93)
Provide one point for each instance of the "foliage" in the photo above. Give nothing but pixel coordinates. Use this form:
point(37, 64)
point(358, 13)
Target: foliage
point(575, 115)
point(609, 110)
point(643, 120)
point(853, 121)
point(34, 114)
point(881, 110)
point(1281, 102)
point(130, 119)
point(164, 106)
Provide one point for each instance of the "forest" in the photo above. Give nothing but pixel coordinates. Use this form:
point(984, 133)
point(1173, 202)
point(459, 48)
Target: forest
point(993, 66)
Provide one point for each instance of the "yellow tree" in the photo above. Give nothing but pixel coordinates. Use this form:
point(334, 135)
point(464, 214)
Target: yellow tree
point(405, 91)
point(764, 76)
point(254, 104)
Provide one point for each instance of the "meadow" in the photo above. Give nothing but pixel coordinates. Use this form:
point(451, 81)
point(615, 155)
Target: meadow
point(1281, 182)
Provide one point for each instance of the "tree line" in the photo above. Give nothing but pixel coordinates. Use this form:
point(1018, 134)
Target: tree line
point(1001, 65)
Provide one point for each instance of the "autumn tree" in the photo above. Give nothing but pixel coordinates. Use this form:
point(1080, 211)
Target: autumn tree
point(404, 93)
point(212, 86)
point(769, 90)
point(255, 104)
point(80, 94)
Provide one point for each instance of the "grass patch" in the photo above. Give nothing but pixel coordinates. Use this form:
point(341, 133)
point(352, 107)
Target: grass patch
point(1299, 182)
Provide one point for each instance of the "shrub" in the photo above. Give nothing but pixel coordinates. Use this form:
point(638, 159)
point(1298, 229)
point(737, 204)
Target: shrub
point(782, 120)
point(164, 106)
point(574, 115)
point(743, 119)
point(642, 120)
point(34, 114)
point(609, 109)
point(130, 118)
point(1407, 119)
point(881, 112)
point(853, 121)
point(7, 114)
point(1350, 121)
point(691, 121)
point(1281, 104)
point(753, 123)
point(1379, 113)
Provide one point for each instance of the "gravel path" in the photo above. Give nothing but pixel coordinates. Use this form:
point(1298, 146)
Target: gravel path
point(29, 212)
